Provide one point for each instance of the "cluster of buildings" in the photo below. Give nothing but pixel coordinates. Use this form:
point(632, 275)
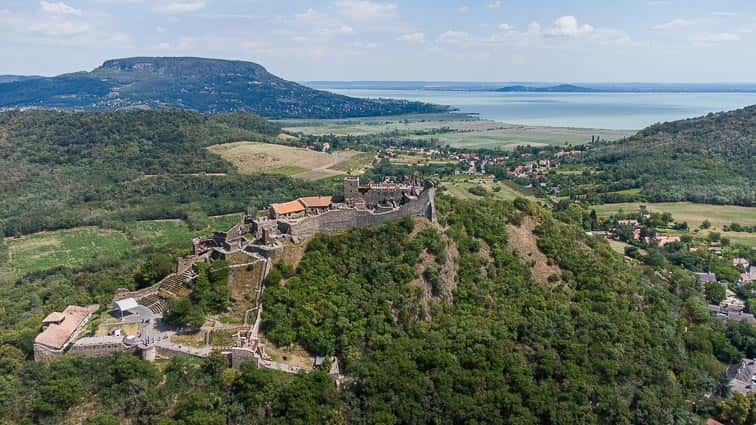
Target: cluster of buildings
point(539, 168)
point(658, 239)
point(748, 274)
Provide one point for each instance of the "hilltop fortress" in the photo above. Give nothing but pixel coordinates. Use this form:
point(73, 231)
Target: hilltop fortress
point(249, 247)
point(294, 221)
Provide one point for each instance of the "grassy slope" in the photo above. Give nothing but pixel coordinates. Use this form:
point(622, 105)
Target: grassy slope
point(79, 246)
point(307, 164)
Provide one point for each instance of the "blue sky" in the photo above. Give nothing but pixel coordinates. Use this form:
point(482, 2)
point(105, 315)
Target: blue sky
point(451, 40)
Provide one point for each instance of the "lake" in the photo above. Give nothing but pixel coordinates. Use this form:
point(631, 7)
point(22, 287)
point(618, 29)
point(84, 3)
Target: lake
point(617, 111)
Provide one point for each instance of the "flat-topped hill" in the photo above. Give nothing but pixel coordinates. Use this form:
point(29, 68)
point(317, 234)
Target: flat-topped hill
point(205, 85)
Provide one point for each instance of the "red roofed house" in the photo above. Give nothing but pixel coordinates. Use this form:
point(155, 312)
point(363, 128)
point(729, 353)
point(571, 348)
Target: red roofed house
point(315, 204)
point(309, 205)
point(291, 209)
point(58, 331)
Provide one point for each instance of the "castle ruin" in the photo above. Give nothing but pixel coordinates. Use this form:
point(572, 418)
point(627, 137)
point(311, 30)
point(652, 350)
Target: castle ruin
point(249, 247)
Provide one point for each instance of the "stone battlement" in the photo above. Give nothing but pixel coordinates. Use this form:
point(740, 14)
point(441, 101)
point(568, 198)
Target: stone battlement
point(341, 219)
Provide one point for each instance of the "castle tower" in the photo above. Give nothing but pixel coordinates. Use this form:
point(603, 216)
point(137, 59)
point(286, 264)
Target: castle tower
point(351, 189)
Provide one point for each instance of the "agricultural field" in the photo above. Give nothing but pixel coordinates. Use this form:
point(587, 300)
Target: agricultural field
point(355, 164)
point(256, 157)
point(176, 232)
point(460, 188)
point(460, 132)
point(79, 246)
point(695, 214)
point(71, 247)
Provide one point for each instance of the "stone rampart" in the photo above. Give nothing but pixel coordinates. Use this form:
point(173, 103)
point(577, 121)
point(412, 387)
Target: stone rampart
point(100, 346)
point(349, 218)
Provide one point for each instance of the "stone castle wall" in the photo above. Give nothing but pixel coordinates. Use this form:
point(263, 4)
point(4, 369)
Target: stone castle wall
point(345, 219)
point(103, 349)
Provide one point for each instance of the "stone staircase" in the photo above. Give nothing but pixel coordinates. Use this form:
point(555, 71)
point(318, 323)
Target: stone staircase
point(176, 281)
point(153, 302)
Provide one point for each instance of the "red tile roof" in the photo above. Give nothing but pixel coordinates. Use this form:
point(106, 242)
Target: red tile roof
point(288, 207)
point(316, 201)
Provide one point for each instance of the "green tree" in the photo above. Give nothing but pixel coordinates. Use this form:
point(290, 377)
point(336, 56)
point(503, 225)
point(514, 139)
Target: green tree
point(182, 312)
point(151, 271)
point(102, 419)
point(715, 292)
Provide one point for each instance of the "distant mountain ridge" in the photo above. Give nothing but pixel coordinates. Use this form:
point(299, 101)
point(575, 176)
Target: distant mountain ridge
point(561, 88)
point(12, 78)
point(487, 86)
point(204, 85)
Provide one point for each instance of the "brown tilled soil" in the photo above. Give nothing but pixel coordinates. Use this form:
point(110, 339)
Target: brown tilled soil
point(523, 240)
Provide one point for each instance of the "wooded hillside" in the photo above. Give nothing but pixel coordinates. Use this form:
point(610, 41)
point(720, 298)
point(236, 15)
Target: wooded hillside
point(709, 159)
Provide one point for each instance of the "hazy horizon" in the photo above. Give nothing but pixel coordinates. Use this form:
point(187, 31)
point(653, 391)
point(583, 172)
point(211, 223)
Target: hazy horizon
point(667, 41)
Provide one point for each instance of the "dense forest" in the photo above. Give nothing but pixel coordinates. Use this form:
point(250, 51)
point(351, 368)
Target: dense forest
point(600, 342)
point(709, 159)
point(65, 169)
point(205, 85)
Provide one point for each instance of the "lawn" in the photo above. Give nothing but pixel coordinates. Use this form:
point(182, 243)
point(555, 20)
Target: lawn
point(695, 214)
point(71, 247)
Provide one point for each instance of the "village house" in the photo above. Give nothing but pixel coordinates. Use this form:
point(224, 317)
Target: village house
point(59, 329)
point(661, 240)
point(741, 263)
point(748, 277)
point(705, 277)
point(291, 209)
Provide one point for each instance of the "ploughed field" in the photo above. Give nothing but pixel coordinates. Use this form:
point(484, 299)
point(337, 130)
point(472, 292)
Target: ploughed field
point(256, 157)
point(455, 130)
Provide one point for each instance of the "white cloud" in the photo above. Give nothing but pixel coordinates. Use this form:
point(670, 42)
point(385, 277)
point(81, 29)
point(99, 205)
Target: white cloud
point(568, 26)
point(505, 27)
point(59, 8)
point(709, 39)
point(343, 29)
point(160, 29)
point(457, 38)
point(363, 45)
point(59, 28)
point(365, 10)
point(179, 6)
point(307, 16)
point(494, 4)
point(534, 28)
point(413, 37)
point(728, 14)
point(675, 23)
point(463, 9)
